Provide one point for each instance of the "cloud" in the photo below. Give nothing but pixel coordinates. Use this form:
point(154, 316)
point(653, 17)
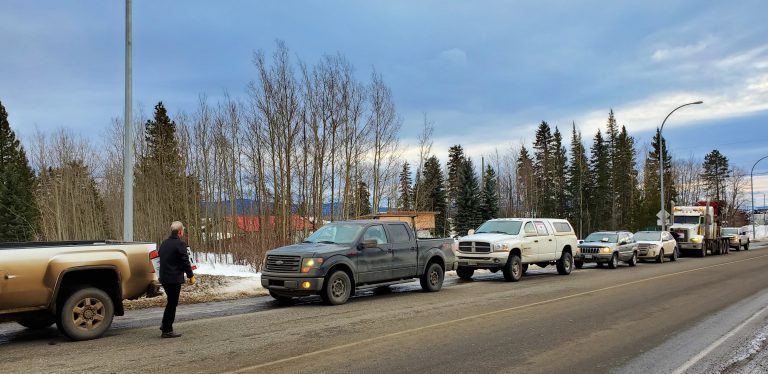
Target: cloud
point(675, 53)
point(453, 56)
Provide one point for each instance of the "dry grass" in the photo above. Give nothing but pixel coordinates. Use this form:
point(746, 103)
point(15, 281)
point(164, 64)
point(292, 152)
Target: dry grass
point(208, 288)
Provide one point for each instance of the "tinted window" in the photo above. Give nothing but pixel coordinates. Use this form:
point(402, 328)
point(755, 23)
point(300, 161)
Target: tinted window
point(376, 233)
point(541, 228)
point(562, 226)
point(400, 234)
point(529, 229)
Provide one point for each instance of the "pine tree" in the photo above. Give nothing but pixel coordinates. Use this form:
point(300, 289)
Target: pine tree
point(455, 160)
point(542, 152)
point(490, 195)
point(18, 211)
point(526, 185)
point(435, 193)
point(625, 183)
point(363, 199)
point(406, 193)
point(714, 174)
point(558, 175)
point(467, 199)
point(600, 180)
point(611, 138)
point(651, 184)
point(162, 146)
point(578, 169)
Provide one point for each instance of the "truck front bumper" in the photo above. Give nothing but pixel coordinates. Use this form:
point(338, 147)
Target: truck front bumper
point(292, 285)
point(689, 245)
point(480, 262)
point(593, 257)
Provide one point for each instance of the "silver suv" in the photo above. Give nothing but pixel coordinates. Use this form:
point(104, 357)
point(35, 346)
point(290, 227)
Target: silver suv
point(607, 247)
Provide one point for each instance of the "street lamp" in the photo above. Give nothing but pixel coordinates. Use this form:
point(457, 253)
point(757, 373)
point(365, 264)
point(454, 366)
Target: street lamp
point(128, 131)
point(752, 188)
point(661, 163)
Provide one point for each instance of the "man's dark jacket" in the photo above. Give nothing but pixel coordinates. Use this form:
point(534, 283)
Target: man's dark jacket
point(174, 261)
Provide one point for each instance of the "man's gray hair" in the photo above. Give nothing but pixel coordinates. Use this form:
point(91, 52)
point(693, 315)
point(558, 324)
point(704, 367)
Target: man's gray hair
point(176, 226)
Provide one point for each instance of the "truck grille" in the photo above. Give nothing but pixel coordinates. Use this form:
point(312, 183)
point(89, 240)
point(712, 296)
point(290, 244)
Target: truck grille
point(475, 247)
point(286, 264)
point(590, 249)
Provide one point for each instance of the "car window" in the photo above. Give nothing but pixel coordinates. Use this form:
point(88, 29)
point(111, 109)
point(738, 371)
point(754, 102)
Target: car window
point(562, 227)
point(400, 234)
point(541, 228)
point(376, 233)
point(529, 229)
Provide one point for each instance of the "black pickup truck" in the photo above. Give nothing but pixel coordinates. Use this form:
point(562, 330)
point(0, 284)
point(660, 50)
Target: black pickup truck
point(342, 257)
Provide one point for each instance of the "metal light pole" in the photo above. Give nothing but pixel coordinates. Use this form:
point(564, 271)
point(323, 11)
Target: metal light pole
point(661, 163)
point(128, 131)
point(752, 189)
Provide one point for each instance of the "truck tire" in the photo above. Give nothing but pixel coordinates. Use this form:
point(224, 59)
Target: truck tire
point(281, 299)
point(564, 264)
point(337, 288)
point(660, 257)
point(633, 261)
point(578, 264)
point(85, 314)
point(675, 255)
point(746, 246)
point(513, 269)
point(464, 272)
point(432, 279)
point(614, 263)
point(37, 323)
point(703, 252)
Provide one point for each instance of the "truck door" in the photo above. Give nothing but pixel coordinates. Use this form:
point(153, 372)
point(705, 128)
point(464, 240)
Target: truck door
point(375, 264)
point(546, 246)
point(404, 251)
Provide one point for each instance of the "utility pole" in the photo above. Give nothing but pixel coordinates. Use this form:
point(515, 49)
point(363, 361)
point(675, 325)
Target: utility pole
point(752, 190)
point(128, 130)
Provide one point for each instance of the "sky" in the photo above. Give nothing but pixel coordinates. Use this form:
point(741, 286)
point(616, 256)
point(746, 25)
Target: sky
point(484, 72)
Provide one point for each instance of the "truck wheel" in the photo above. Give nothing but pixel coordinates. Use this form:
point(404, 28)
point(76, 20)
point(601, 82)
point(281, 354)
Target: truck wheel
point(675, 255)
point(525, 268)
point(578, 264)
point(633, 261)
point(37, 323)
point(337, 288)
point(703, 251)
point(614, 262)
point(432, 279)
point(465, 272)
point(564, 264)
point(513, 269)
point(746, 246)
point(281, 299)
point(660, 257)
point(85, 314)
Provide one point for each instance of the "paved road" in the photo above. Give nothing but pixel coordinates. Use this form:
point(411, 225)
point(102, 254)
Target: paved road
point(650, 318)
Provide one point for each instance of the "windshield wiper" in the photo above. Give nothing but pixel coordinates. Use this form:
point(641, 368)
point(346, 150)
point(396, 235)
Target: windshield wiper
point(491, 232)
point(326, 242)
point(307, 241)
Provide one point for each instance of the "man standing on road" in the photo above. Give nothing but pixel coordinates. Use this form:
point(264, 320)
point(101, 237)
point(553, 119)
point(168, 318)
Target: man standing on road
point(174, 263)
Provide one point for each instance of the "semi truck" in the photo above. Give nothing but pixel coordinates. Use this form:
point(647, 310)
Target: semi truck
point(697, 229)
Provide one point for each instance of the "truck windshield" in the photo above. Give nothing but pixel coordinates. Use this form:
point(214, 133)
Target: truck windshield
point(500, 227)
point(336, 233)
point(648, 235)
point(730, 231)
point(690, 220)
point(602, 237)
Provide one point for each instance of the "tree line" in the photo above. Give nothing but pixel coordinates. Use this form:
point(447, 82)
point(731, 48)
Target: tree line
point(313, 143)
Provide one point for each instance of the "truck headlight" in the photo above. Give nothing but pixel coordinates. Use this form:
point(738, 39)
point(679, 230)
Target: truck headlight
point(696, 239)
point(605, 250)
point(501, 247)
point(308, 264)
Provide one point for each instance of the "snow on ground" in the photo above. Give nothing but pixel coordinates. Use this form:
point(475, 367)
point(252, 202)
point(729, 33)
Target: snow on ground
point(216, 264)
point(761, 231)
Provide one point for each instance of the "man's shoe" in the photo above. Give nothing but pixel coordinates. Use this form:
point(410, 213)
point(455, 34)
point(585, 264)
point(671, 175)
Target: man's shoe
point(170, 334)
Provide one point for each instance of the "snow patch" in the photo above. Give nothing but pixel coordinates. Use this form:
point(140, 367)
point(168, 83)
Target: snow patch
point(223, 264)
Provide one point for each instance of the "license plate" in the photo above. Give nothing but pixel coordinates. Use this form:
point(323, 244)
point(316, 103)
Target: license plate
point(587, 256)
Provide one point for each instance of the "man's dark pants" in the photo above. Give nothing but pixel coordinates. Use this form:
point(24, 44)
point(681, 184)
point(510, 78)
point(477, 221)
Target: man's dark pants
point(172, 291)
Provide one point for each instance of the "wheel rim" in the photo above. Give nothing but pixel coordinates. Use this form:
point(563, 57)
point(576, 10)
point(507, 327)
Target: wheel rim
point(434, 277)
point(568, 260)
point(516, 269)
point(88, 314)
point(615, 260)
point(338, 288)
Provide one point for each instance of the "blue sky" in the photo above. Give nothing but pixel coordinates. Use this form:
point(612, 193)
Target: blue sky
point(484, 72)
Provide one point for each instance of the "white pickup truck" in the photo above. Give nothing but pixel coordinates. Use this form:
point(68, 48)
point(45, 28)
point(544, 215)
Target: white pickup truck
point(511, 244)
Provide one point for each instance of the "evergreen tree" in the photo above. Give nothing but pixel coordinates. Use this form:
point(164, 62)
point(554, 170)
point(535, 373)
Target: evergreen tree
point(627, 200)
point(405, 188)
point(543, 158)
point(436, 196)
point(18, 211)
point(578, 169)
point(714, 174)
point(455, 160)
point(489, 207)
point(162, 146)
point(611, 139)
point(651, 184)
point(363, 199)
point(558, 177)
point(526, 185)
point(600, 180)
point(467, 199)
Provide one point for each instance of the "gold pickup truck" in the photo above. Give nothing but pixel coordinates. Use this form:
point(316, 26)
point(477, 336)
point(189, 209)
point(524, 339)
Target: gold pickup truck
point(80, 285)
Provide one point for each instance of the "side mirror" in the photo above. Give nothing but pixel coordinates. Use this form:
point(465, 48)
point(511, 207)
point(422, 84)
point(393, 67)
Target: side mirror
point(367, 244)
point(470, 232)
point(623, 242)
point(743, 233)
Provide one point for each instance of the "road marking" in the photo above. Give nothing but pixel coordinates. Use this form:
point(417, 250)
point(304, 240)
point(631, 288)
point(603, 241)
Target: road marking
point(476, 316)
point(688, 364)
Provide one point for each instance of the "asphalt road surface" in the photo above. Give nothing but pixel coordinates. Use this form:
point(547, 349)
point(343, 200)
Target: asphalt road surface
point(683, 316)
